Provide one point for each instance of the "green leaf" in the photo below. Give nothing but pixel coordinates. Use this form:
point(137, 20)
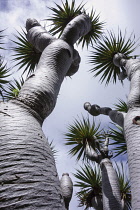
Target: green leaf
point(62, 15)
point(95, 32)
point(4, 74)
point(119, 143)
point(25, 55)
point(102, 55)
point(89, 182)
point(12, 89)
point(121, 106)
point(124, 183)
point(79, 134)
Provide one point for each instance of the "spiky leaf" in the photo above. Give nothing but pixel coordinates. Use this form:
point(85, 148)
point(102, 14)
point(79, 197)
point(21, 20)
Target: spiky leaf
point(124, 183)
point(62, 15)
point(119, 143)
point(1, 39)
point(25, 54)
point(4, 74)
point(102, 55)
point(121, 106)
point(95, 32)
point(79, 133)
point(89, 182)
point(13, 88)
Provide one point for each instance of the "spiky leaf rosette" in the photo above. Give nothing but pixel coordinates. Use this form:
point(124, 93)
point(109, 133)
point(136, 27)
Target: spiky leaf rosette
point(62, 15)
point(79, 134)
point(25, 54)
point(4, 74)
point(121, 106)
point(119, 143)
point(124, 183)
point(4, 71)
point(89, 182)
point(13, 88)
point(102, 55)
point(95, 32)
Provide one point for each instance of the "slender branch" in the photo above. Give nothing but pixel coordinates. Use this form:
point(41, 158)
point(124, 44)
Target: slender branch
point(91, 154)
point(115, 116)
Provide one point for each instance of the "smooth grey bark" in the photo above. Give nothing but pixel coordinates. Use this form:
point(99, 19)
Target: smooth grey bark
point(115, 116)
point(132, 124)
point(110, 187)
point(67, 189)
point(90, 153)
point(28, 174)
point(132, 129)
point(111, 197)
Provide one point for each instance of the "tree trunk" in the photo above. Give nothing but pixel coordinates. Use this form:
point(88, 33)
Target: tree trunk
point(28, 174)
point(110, 187)
point(132, 130)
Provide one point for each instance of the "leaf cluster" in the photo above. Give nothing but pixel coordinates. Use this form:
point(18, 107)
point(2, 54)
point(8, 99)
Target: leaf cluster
point(89, 182)
point(25, 54)
point(79, 133)
point(102, 55)
point(13, 88)
point(121, 106)
point(119, 142)
point(62, 15)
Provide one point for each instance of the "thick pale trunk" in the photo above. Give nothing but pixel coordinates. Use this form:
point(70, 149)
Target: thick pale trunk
point(28, 174)
point(40, 91)
point(132, 130)
point(110, 187)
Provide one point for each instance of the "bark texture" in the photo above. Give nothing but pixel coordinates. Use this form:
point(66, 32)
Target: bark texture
point(110, 187)
point(67, 188)
point(115, 116)
point(132, 129)
point(28, 175)
point(40, 91)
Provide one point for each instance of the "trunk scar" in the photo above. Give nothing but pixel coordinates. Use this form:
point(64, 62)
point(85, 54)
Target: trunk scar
point(5, 113)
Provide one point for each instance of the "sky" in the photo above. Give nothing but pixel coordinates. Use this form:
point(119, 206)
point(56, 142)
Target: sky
point(82, 87)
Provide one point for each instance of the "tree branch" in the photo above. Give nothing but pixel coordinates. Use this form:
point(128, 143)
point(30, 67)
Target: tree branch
point(115, 116)
point(37, 35)
point(76, 28)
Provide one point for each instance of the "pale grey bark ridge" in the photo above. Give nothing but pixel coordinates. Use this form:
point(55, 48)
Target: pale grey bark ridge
point(110, 187)
point(28, 174)
point(111, 197)
point(132, 129)
point(67, 189)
